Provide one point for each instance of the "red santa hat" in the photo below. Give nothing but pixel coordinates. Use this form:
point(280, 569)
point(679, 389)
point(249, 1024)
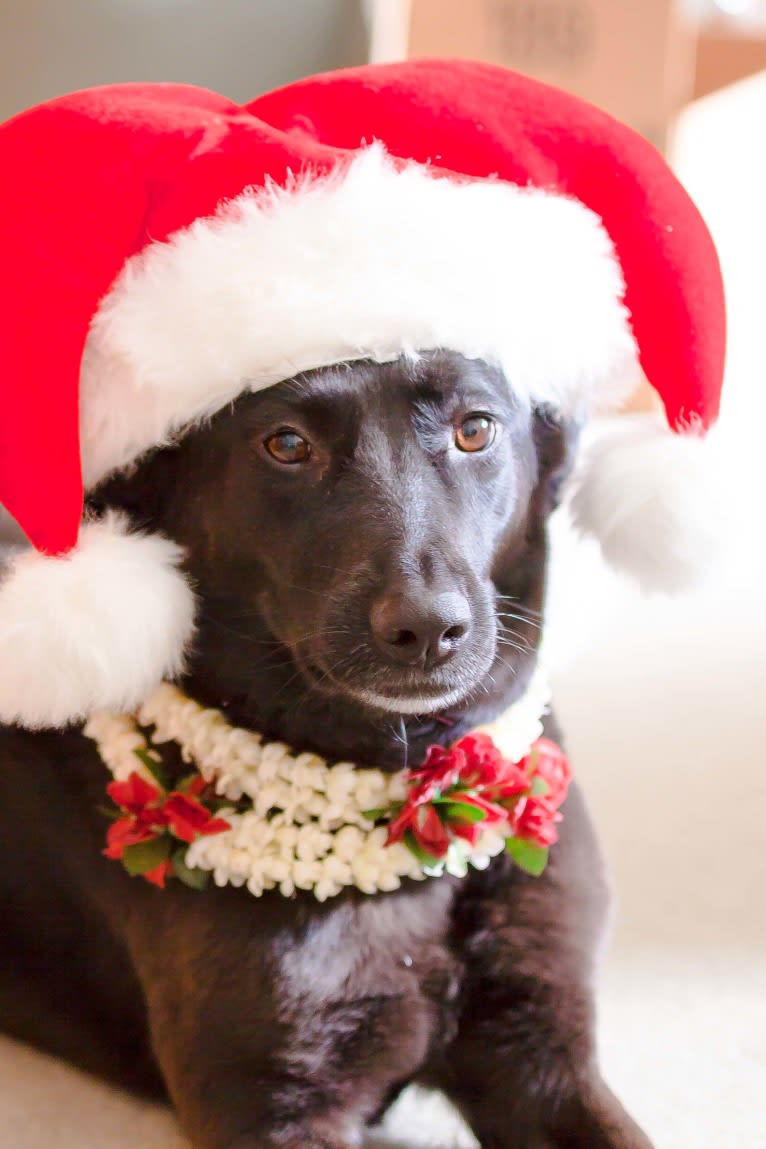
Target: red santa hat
point(165, 250)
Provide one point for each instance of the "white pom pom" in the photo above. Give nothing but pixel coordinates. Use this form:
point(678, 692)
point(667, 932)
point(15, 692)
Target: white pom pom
point(98, 628)
point(653, 499)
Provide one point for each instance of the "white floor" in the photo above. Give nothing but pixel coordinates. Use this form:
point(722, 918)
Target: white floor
point(666, 723)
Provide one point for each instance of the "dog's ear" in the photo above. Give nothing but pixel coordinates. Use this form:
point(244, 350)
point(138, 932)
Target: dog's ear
point(556, 442)
point(520, 565)
point(143, 490)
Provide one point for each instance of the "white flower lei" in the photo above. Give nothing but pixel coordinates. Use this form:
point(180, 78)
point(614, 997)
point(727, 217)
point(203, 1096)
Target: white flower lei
point(306, 828)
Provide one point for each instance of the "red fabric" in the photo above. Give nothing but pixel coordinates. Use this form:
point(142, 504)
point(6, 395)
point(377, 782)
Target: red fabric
point(93, 177)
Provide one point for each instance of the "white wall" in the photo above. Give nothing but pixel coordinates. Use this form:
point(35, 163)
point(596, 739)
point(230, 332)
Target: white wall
point(238, 47)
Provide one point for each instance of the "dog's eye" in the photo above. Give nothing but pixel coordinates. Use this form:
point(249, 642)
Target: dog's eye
point(475, 433)
point(287, 446)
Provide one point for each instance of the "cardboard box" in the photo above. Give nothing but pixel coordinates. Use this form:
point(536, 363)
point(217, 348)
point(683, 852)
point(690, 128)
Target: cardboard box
point(727, 54)
point(635, 58)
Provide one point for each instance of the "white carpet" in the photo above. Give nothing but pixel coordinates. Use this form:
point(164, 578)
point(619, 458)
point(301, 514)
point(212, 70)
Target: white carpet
point(666, 724)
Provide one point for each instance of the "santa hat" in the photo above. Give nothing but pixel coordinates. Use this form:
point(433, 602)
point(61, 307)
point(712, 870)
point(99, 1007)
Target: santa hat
point(165, 250)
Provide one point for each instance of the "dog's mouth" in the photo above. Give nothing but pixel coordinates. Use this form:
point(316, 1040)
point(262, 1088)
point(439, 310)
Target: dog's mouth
point(406, 691)
point(419, 703)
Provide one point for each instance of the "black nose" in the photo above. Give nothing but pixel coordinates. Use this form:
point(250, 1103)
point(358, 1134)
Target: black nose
point(416, 630)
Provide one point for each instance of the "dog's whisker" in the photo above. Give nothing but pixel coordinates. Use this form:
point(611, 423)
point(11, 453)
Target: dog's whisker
point(204, 617)
point(323, 632)
point(517, 602)
point(293, 677)
point(522, 648)
point(524, 621)
point(507, 636)
point(519, 610)
point(400, 736)
point(503, 614)
point(508, 665)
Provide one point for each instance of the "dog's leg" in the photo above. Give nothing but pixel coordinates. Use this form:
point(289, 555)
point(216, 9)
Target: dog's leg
point(279, 1025)
point(522, 1067)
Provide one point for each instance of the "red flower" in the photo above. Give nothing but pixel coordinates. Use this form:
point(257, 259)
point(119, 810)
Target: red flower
point(188, 818)
point(150, 813)
point(425, 825)
point(129, 832)
point(158, 875)
point(434, 826)
point(535, 817)
point(469, 831)
point(552, 765)
point(535, 821)
point(459, 790)
point(512, 782)
point(430, 833)
point(196, 786)
point(484, 764)
point(440, 771)
point(142, 803)
point(475, 763)
point(133, 795)
point(399, 825)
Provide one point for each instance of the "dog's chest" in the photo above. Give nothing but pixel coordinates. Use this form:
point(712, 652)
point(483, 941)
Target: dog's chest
point(375, 975)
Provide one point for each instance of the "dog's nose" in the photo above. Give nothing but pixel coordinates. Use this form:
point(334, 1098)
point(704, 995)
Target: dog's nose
point(420, 631)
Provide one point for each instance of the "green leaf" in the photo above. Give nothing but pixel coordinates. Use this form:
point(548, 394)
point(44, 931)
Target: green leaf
point(449, 809)
point(195, 879)
point(539, 787)
point(424, 858)
point(154, 767)
point(380, 812)
point(183, 784)
point(528, 856)
point(144, 856)
point(112, 814)
point(215, 805)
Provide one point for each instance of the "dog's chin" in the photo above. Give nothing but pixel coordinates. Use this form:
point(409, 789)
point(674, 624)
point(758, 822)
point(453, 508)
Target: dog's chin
point(409, 693)
point(419, 704)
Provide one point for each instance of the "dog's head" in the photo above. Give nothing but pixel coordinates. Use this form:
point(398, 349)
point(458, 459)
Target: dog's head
point(365, 540)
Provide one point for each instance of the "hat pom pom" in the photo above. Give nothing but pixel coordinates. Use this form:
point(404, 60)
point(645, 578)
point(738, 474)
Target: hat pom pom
point(653, 500)
point(96, 628)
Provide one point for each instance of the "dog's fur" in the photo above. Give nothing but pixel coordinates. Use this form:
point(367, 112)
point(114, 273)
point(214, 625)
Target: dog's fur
point(279, 1022)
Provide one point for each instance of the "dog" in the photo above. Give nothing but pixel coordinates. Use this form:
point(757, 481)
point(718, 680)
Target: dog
point(368, 547)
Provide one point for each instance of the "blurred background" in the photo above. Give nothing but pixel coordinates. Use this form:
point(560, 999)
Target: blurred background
point(662, 701)
point(642, 60)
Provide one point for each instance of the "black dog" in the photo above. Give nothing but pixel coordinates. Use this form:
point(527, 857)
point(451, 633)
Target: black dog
point(370, 564)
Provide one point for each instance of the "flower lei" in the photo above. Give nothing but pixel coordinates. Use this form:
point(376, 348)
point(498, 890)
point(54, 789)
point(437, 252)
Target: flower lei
point(254, 813)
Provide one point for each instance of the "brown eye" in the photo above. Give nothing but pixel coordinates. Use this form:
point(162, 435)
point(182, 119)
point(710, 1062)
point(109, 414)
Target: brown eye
point(288, 447)
point(475, 433)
